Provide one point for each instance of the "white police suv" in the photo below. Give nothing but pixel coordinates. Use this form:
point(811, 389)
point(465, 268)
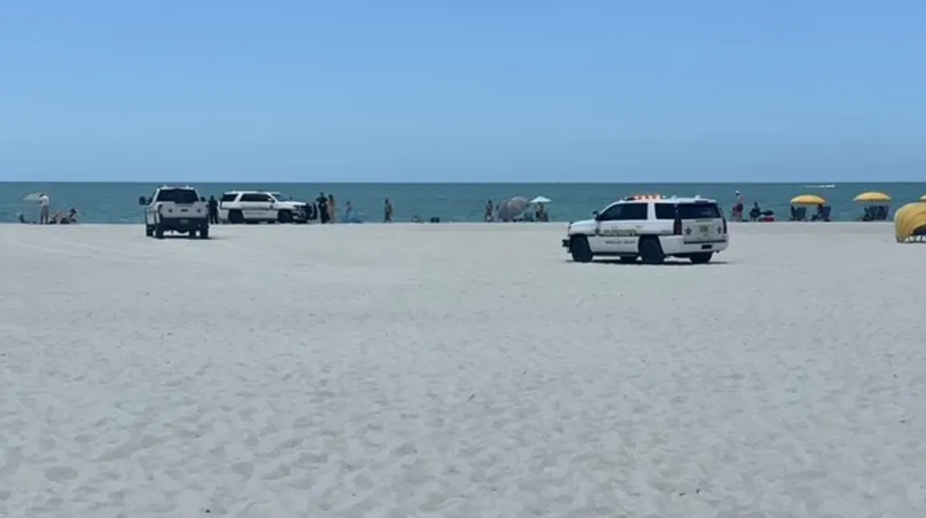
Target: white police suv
point(261, 206)
point(651, 228)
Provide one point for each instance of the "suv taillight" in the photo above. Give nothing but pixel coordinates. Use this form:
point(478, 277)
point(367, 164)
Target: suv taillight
point(724, 225)
point(677, 227)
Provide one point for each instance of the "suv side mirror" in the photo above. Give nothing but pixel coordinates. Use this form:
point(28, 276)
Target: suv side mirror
point(141, 200)
point(596, 215)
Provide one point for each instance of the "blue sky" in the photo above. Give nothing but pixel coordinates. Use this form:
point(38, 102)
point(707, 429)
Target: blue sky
point(430, 90)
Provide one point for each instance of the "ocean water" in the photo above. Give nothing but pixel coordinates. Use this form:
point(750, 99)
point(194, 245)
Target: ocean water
point(118, 202)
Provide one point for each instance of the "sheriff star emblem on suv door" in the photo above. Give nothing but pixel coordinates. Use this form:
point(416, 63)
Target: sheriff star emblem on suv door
point(688, 231)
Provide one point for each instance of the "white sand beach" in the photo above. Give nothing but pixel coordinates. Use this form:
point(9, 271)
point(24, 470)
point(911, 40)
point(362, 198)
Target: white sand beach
point(465, 371)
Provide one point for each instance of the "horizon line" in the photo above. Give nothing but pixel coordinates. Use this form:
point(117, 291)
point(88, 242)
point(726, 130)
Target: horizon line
point(290, 182)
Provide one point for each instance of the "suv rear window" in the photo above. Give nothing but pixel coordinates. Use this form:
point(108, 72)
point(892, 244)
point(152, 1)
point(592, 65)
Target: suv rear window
point(229, 197)
point(665, 211)
point(698, 211)
point(256, 197)
point(184, 196)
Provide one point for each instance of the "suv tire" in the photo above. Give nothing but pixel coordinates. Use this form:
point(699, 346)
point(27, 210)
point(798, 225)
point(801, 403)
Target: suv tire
point(580, 250)
point(235, 217)
point(285, 216)
point(159, 231)
point(651, 251)
point(701, 258)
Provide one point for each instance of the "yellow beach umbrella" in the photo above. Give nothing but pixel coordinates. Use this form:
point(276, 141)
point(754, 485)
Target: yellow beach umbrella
point(872, 196)
point(923, 197)
point(807, 199)
point(910, 223)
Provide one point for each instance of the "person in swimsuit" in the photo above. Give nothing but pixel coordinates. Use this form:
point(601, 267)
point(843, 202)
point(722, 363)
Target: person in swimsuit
point(332, 209)
point(737, 212)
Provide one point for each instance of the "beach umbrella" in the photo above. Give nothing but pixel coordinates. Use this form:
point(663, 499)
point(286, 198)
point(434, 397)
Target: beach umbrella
point(511, 209)
point(923, 197)
point(872, 197)
point(541, 199)
point(808, 199)
point(32, 196)
point(910, 222)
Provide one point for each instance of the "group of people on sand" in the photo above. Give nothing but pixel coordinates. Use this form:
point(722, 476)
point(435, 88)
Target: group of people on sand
point(327, 209)
point(757, 214)
point(822, 213)
point(46, 217)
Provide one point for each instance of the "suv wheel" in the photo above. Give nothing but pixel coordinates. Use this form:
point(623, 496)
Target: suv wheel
point(159, 231)
point(235, 217)
point(651, 251)
point(149, 230)
point(579, 249)
point(285, 216)
point(701, 258)
point(204, 233)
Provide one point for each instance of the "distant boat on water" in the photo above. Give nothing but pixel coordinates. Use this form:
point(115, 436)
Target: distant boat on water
point(822, 186)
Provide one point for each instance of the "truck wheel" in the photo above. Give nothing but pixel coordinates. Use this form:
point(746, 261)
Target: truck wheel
point(192, 234)
point(235, 217)
point(651, 251)
point(149, 230)
point(579, 249)
point(701, 258)
point(285, 216)
point(159, 231)
point(204, 233)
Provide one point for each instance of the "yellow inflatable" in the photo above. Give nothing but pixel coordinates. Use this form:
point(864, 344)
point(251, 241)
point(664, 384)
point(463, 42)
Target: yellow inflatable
point(910, 223)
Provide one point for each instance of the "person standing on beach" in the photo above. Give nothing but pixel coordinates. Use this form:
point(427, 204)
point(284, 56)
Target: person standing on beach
point(348, 213)
point(737, 212)
point(490, 212)
point(213, 211)
point(332, 209)
point(44, 203)
point(322, 202)
point(387, 211)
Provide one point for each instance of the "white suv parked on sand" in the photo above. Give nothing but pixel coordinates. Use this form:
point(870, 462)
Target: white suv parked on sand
point(261, 206)
point(651, 228)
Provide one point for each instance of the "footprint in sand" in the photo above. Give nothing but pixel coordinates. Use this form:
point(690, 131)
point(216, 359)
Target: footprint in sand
point(303, 422)
point(404, 450)
point(60, 473)
point(245, 469)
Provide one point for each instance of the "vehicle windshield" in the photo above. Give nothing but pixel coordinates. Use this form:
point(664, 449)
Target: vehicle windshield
point(280, 197)
point(185, 196)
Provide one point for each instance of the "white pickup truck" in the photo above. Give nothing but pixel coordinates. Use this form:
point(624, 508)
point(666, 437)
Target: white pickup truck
point(176, 209)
